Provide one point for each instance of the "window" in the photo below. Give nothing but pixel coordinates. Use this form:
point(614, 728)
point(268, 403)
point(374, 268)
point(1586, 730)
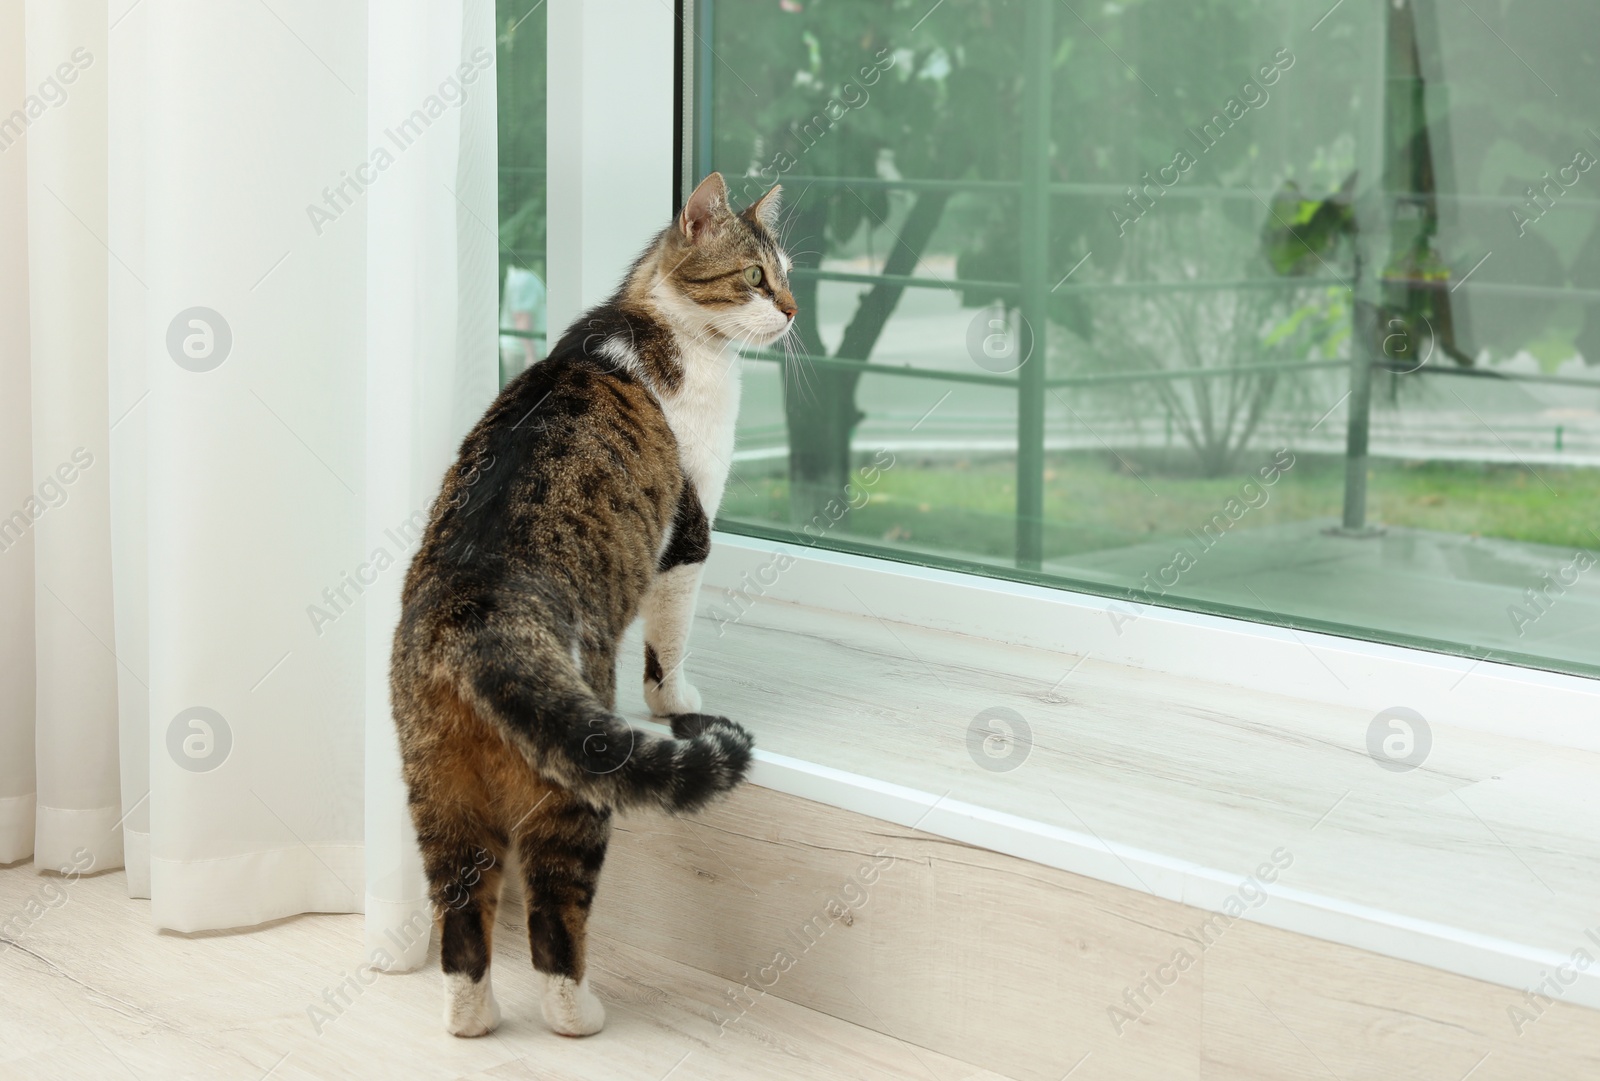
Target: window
point(1231, 305)
point(520, 55)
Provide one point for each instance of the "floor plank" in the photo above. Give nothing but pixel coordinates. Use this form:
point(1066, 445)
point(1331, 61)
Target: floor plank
point(92, 991)
point(1368, 1018)
point(946, 946)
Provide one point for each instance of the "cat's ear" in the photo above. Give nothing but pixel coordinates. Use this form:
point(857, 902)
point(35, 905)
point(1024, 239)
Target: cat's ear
point(765, 209)
point(705, 208)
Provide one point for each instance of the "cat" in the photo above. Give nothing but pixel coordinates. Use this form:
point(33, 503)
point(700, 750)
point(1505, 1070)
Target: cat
point(581, 500)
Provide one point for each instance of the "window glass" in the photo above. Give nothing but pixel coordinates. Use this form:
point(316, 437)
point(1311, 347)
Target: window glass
point(520, 68)
point(1244, 306)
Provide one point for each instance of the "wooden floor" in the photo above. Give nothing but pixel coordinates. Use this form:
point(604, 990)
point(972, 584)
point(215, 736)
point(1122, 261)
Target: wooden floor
point(89, 990)
point(948, 958)
point(990, 959)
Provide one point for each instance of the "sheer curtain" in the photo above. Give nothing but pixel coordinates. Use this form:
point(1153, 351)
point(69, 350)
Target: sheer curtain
point(247, 309)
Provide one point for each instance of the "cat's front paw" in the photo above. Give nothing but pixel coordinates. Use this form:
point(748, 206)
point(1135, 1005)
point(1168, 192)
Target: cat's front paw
point(671, 696)
point(570, 1008)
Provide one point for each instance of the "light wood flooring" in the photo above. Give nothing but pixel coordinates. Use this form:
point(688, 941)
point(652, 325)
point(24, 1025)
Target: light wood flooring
point(90, 991)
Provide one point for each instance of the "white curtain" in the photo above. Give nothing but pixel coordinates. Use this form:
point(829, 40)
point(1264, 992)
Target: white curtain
point(247, 310)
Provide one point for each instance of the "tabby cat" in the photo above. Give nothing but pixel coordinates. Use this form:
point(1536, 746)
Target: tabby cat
point(580, 501)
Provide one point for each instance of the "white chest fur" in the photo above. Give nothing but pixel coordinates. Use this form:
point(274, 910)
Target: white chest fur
point(702, 412)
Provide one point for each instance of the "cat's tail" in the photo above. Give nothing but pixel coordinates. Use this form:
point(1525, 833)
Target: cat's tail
point(607, 761)
point(569, 737)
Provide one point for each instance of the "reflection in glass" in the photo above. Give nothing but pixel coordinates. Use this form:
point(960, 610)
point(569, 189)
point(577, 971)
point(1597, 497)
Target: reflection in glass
point(1227, 305)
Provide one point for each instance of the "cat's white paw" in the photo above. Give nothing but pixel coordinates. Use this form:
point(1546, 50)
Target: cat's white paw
point(470, 1008)
point(674, 695)
point(570, 1008)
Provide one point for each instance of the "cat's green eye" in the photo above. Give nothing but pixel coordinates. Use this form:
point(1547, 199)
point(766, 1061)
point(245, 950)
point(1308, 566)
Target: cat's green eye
point(753, 275)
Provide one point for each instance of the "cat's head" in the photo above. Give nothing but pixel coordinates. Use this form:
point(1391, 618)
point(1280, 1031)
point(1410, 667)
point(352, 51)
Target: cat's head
point(725, 271)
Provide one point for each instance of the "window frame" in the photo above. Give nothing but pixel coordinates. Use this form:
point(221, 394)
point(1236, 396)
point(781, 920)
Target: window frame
point(593, 245)
point(1528, 704)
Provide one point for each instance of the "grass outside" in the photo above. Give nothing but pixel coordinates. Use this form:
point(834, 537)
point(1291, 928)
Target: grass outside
point(966, 507)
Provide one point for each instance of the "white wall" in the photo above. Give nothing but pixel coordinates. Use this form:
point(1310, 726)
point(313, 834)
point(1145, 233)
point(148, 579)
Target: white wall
point(609, 144)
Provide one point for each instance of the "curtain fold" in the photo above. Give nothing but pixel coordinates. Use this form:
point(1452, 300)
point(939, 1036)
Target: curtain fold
point(433, 293)
point(253, 346)
point(127, 387)
point(17, 655)
point(78, 801)
point(255, 256)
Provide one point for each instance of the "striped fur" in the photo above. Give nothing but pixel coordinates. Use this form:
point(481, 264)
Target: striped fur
point(579, 502)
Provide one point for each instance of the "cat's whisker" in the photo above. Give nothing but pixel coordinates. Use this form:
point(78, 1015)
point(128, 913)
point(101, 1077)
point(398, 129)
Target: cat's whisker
point(806, 369)
point(803, 240)
point(789, 223)
point(795, 364)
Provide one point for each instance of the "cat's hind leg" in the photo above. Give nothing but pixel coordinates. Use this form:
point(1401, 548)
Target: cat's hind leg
point(598, 661)
point(561, 848)
point(463, 858)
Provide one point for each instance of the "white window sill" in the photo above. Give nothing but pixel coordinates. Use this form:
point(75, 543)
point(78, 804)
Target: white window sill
point(1156, 764)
